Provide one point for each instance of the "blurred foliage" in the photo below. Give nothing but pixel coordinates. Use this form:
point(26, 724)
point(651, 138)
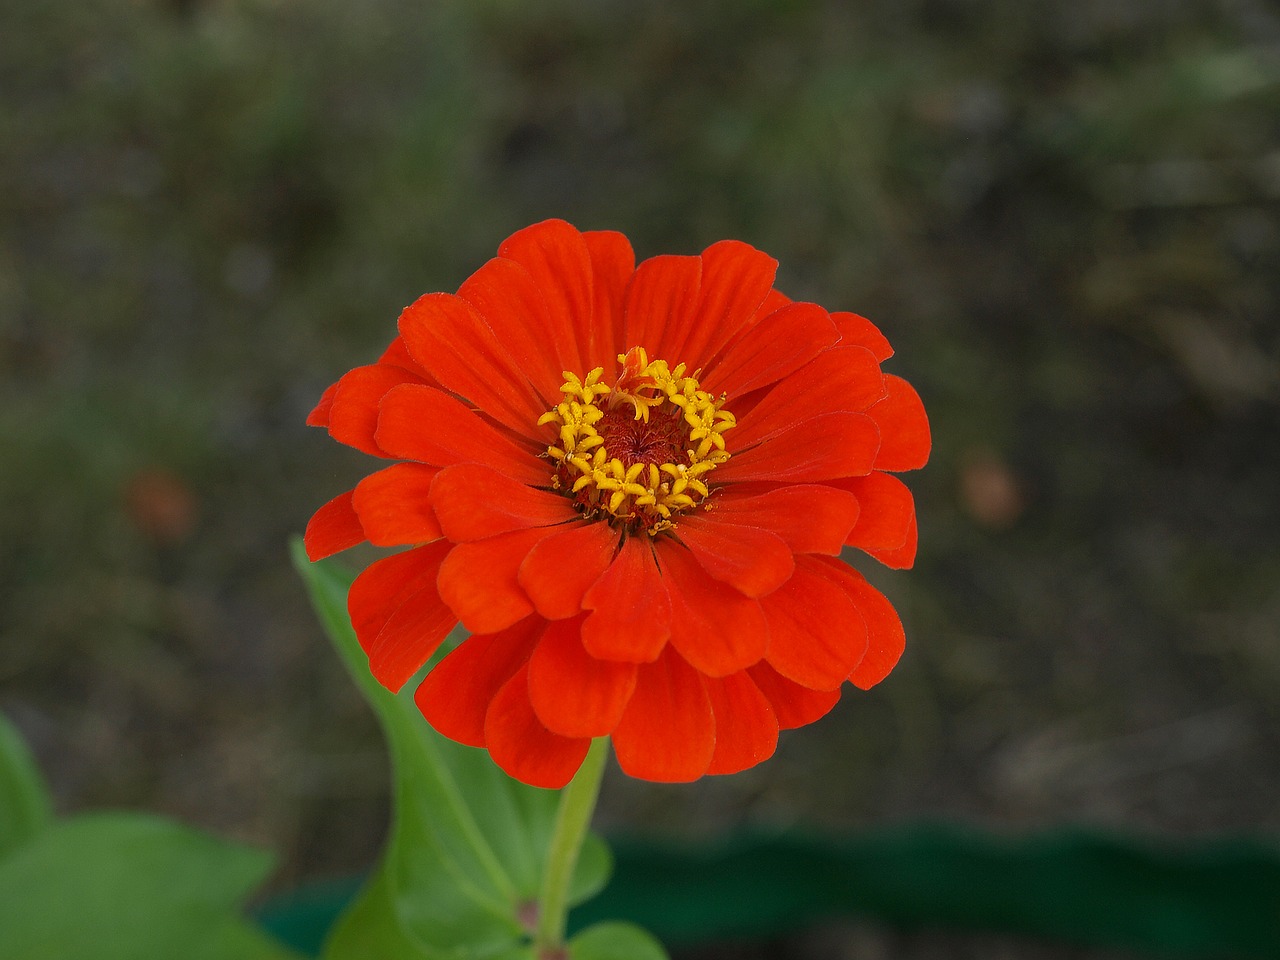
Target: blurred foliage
point(121, 885)
point(1063, 215)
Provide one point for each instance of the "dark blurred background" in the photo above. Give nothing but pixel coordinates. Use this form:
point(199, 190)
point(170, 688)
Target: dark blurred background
point(1063, 214)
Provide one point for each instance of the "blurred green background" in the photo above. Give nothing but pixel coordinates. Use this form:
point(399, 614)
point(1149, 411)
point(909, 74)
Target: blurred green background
point(1064, 215)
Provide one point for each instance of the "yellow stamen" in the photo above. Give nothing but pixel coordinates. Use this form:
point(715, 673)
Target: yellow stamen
point(639, 468)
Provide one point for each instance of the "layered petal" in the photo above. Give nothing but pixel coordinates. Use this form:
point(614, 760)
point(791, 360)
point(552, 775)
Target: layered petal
point(661, 296)
point(522, 746)
point(736, 277)
point(888, 513)
point(449, 337)
point(746, 728)
point(885, 637)
point(418, 422)
point(612, 263)
point(816, 634)
point(353, 414)
point(630, 616)
point(509, 299)
point(824, 447)
point(333, 528)
point(319, 415)
point(409, 637)
point(793, 705)
point(398, 615)
point(810, 518)
point(456, 694)
point(859, 331)
point(717, 629)
point(556, 257)
point(667, 732)
point(478, 580)
point(904, 427)
point(397, 355)
point(903, 557)
point(385, 584)
point(752, 560)
point(573, 693)
point(473, 502)
point(558, 571)
point(773, 300)
point(840, 379)
point(777, 346)
point(394, 505)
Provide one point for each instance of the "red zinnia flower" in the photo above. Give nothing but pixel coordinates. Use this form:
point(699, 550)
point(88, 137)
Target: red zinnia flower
point(632, 486)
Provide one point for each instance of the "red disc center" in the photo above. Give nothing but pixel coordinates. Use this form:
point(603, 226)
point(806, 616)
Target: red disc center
point(662, 439)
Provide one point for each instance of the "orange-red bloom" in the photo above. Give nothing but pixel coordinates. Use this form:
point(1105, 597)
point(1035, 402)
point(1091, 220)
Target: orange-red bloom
point(632, 486)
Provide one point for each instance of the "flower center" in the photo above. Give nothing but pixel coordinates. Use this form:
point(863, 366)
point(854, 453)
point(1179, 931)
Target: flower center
point(638, 452)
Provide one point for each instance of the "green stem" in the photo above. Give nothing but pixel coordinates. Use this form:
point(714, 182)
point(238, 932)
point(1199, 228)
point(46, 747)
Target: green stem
point(577, 803)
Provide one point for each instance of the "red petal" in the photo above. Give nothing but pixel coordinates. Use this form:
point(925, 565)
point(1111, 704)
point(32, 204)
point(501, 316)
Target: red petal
point(816, 634)
point(573, 693)
point(746, 729)
point(810, 518)
point(823, 448)
point(662, 296)
point(841, 379)
point(455, 343)
point(904, 427)
point(859, 331)
point(558, 571)
point(387, 583)
point(612, 262)
point(668, 732)
point(557, 258)
point(397, 614)
point(631, 614)
point(522, 746)
point(319, 417)
point(753, 561)
point(422, 423)
point(903, 557)
point(888, 511)
point(884, 629)
point(409, 638)
point(397, 354)
point(353, 417)
point(793, 705)
point(393, 505)
point(333, 528)
point(513, 306)
point(736, 277)
point(456, 694)
point(473, 502)
point(715, 628)
point(775, 347)
point(478, 580)
point(773, 301)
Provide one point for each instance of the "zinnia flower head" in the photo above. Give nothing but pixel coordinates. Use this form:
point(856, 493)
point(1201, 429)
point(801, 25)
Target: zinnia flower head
point(632, 485)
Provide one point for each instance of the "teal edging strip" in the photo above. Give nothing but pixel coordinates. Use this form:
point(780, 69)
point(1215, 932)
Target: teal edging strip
point(1209, 898)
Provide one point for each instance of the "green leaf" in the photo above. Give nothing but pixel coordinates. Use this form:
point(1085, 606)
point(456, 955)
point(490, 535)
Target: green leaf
point(235, 939)
point(467, 844)
point(25, 809)
point(108, 886)
point(371, 928)
point(615, 941)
